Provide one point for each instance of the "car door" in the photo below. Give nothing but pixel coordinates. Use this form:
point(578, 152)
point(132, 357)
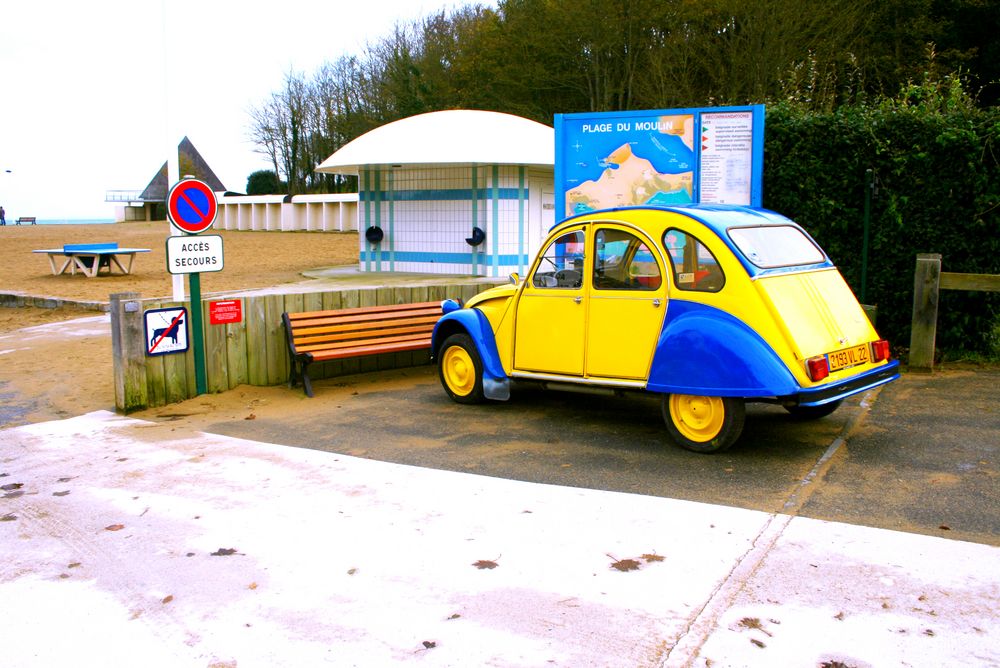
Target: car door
point(627, 303)
point(550, 320)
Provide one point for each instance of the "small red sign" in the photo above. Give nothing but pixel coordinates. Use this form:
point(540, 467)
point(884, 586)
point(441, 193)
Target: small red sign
point(225, 312)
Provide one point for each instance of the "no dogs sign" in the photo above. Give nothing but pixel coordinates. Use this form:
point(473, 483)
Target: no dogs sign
point(166, 330)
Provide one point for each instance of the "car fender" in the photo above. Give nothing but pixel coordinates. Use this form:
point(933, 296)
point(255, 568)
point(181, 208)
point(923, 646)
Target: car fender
point(496, 384)
point(705, 351)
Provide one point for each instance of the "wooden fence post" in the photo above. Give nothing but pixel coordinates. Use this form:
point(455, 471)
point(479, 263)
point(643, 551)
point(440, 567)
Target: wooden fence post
point(128, 352)
point(923, 331)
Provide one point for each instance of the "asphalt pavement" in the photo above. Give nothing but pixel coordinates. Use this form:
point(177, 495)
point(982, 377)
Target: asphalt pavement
point(918, 455)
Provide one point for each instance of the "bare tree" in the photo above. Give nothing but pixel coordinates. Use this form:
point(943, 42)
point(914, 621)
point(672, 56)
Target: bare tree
point(277, 129)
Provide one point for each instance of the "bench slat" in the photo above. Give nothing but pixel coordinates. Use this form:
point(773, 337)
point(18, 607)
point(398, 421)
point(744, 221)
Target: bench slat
point(329, 337)
point(361, 319)
point(315, 346)
point(317, 336)
point(357, 348)
point(364, 318)
point(362, 329)
point(361, 310)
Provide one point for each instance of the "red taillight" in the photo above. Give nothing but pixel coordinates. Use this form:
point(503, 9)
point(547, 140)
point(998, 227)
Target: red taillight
point(818, 368)
point(880, 351)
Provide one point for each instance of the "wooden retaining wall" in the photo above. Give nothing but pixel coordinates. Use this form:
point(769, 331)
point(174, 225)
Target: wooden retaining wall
point(928, 281)
point(251, 352)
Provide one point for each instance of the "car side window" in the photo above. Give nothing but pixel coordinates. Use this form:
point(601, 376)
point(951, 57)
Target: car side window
point(693, 265)
point(561, 265)
point(622, 261)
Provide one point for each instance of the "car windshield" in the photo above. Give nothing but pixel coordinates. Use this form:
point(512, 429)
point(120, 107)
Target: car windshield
point(775, 246)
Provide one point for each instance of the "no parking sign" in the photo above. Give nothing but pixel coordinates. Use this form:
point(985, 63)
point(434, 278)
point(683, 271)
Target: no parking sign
point(191, 206)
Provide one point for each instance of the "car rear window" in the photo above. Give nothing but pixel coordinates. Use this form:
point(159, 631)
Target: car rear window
point(775, 246)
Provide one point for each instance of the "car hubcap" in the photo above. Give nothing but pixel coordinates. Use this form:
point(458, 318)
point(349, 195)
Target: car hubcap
point(459, 371)
point(697, 418)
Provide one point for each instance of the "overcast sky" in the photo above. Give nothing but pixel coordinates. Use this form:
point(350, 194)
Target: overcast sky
point(88, 100)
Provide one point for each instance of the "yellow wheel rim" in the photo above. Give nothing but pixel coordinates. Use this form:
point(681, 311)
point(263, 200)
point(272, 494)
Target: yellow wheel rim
point(459, 370)
point(697, 418)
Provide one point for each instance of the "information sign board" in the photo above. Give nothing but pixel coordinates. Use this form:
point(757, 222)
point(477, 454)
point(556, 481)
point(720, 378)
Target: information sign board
point(726, 157)
point(189, 255)
point(659, 157)
point(225, 311)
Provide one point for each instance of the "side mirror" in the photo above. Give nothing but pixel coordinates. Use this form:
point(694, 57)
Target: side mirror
point(514, 278)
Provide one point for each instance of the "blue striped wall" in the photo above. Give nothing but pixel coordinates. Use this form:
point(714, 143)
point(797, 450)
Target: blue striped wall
point(426, 213)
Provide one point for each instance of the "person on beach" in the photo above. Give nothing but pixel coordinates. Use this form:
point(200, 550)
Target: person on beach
point(3, 216)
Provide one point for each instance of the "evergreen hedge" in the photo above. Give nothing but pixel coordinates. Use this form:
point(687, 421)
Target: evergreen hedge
point(937, 175)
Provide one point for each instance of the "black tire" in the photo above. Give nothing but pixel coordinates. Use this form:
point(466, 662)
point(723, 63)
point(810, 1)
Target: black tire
point(461, 369)
point(813, 412)
point(703, 424)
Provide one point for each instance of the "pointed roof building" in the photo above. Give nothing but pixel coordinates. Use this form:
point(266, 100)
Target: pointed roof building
point(190, 162)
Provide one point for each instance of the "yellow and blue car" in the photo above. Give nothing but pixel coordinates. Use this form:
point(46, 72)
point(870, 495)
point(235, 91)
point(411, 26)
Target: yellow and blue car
point(709, 306)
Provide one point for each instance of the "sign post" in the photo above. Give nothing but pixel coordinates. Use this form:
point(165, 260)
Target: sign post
point(192, 208)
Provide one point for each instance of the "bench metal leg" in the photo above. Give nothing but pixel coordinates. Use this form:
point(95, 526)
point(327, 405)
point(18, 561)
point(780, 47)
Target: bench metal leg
point(299, 366)
point(298, 369)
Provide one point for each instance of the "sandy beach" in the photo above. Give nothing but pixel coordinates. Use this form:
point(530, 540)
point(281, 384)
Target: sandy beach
point(253, 260)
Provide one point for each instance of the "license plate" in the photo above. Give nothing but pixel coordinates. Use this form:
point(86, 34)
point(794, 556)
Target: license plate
point(842, 359)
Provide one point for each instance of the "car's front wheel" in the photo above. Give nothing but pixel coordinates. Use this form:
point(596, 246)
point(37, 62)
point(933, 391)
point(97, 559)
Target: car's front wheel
point(703, 424)
point(461, 369)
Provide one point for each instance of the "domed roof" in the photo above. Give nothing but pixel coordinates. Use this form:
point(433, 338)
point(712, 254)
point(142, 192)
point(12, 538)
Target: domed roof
point(456, 136)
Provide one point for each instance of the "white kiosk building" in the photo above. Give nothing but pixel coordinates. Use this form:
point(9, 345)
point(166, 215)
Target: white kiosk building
point(451, 192)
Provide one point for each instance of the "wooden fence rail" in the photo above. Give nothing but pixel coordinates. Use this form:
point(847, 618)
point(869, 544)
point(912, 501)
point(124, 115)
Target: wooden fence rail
point(252, 351)
point(928, 281)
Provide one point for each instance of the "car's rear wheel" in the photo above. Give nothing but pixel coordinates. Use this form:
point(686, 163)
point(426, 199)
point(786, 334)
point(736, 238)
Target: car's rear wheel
point(461, 369)
point(703, 424)
point(813, 412)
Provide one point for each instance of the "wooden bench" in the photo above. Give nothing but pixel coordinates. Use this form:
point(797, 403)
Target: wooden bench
point(319, 336)
point(26, 219)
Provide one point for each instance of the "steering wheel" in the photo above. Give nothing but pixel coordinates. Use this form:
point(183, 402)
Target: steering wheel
point(569, 278)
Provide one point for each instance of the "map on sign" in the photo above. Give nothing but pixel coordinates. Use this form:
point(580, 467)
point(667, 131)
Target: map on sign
point(632, 162)
point(658, 158)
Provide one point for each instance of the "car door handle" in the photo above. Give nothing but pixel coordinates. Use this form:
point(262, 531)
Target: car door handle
point(656, 303)
point(577, 300)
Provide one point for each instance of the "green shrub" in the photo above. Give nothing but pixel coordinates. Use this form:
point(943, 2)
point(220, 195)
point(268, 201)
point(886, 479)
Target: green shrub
point(935, 162)
point(265, 182)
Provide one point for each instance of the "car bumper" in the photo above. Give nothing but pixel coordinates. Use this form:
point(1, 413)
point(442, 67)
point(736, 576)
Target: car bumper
point(845, 388)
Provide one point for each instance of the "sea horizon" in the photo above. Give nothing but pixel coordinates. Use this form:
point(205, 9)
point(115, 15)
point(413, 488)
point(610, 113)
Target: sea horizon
point(65, 221)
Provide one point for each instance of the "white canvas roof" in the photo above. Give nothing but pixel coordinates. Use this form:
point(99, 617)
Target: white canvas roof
point(448, 137)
